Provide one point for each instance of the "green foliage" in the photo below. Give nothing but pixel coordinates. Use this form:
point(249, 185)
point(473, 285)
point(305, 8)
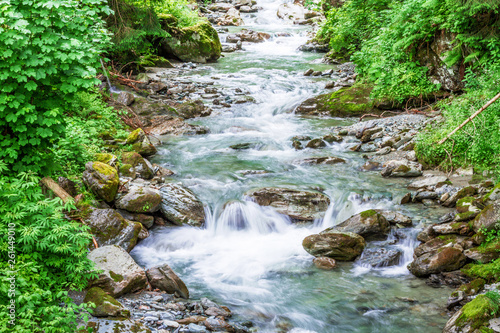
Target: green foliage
point(180, 10)
point(495, 297)
point(50, 258)
point(489, 272)
point(49, 51)
point(88, 122)
point(478, 142)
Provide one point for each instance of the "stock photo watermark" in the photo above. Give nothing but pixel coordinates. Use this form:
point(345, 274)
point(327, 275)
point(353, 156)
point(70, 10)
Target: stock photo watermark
point(11, 253)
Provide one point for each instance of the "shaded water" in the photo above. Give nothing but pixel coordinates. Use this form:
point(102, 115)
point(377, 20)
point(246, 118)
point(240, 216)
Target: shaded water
point(250, 257)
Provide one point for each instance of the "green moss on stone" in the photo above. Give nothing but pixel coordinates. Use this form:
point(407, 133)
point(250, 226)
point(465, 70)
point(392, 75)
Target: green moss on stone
point(116, 277)
point(368, 213)
point(477, 312)
point(125, 170)
point(134, 136)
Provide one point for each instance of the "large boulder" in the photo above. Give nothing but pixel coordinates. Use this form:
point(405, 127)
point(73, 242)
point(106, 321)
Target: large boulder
point(291, 12)
point(199, 43)
point(298, 205)
point(110, 228)
point(347, 102)
point(163, 125)
point(181, 206)
point(193, 109)
point(105, 305)
point(401, 168)
point(133, 164)
point(164, 278)
point(140, 200)
point(140, 142)
point(368, 224)
point(444, 259)
point(120, 273)
point(488, 218)
point(102, 179)
point(337, 245)
point(380, 257)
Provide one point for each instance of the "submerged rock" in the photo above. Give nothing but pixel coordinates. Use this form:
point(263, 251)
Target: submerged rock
point(164, 278)
point(181, 206)
point(298, 205)
point(337, 245)
point(324, 263)
point(322, 160)
point(120, 274)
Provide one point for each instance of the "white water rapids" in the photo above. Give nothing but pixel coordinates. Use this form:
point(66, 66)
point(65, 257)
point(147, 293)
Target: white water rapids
point(250, 257)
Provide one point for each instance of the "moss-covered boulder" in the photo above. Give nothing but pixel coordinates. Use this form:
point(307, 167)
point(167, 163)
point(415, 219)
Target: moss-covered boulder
point(110, 228)
point(488, 218)
point(120, 273)
point(140, 143)
point(368, 224)
point(164, 278)
point(106, 158)
point(144, 219)
point(474, 316)
point(444, 259)
point(105, 305)
point(353, 101)
point(193, 109)
point(199, 43)
point(305, 206)
point(102, 179)
point(140, 200)
point(485, 253)
point(467, 209)
point(342, 246)
point(139, 165)
point(181, 206)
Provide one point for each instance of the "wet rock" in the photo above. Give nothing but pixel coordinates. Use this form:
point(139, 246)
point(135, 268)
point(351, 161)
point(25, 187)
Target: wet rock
point(163, 125)
point(242, 146)
point(324, 263)
point(379, 257)
point(330, 138)
point(322, 160)
point(458, 228)
point(370, 166)
point(482, 255)
point(367, 134)
point(423, 195)
point(181, 206)
point(105, 325)
point(367, 224)
point(218, 325)
point(317, 73)
point(140, 143)
point(337, 245)
point(136, 164)
point(146, 220)
point(426, 234)
point(399, 168)
point(316, 143)
point(164, 278)
point(102, 180)
point(120, 274)
point(368, 147)
point(125, 98)
point(291, 12)
point(105, 305)
point(297, 145)
point(110, 228)
point(407, 198)
point(231, 18)
point(395, 218)
point(216, 311)
point(488, 218)
point(298, 205)
point(140, 200)
point(444, 259)
point(193, 109)
point(309, 72)
point(253, 36)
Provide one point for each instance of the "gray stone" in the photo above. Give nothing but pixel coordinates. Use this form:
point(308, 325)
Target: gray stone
point(337, 245)
point(102, 180)
point(181, 206)
point(367, 224)
point(164, 278)
point(140, 200)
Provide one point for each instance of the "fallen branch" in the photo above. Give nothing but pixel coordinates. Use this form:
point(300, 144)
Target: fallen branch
point(470, 118)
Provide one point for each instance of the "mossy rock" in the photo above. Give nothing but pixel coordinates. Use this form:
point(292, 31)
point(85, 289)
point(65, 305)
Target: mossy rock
point(105, 305)
point(368, 224)
point(140, 200)
point(353, 101)
point(199, 43)
point(167, 21)
point(471, 288)
point(102, 180)
point(477, 312)
point(127, 170)
point(139, 164)
point(106, 158)
point(135, 136)
point(489, 272)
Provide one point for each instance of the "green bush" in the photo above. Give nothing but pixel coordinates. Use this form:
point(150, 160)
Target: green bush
point(49, 51)
point(50, 258)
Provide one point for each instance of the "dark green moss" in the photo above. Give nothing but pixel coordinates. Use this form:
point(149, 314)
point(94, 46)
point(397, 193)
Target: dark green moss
point(368, 213)
point(116, 277)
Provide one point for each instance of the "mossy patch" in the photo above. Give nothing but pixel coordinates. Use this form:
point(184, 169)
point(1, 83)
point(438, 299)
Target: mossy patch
point(135, 136)
point(105, 305)
point(116, 277)
point(489, 272)
point(477, 312)
point(368, 213)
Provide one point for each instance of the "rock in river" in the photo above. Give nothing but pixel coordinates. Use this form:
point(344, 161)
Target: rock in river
point(343, 246)
point(140, 200)
point(444, 259)
point(164, 278)
point(298, 205)
point(368, 224)
point(180, 206)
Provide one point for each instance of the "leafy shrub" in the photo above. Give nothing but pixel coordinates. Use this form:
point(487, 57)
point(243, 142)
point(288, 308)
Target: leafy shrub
point(50, 51)
point(51, 258)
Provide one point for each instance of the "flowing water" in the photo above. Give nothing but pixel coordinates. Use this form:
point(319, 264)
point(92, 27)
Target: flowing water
point(250, 257)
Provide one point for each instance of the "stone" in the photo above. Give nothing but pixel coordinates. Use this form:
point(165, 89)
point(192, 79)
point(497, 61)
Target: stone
point(426, 234)
point(102, 180)
point(125, 98)
point(399, 168)
point(110, 228)
point(193, 109)
point(475, 314)
point(322, 160)
point(303, 206)
point(163, 125)
point(370, 166)
point(383, 151)
point(488, 218)
point(482, 255)
point(427, 182)
point(379, 257)
point(395, 218)
point(192, 320)
point(165, 279)
point(140, 143)
point(367, 224)
point(423, 195)
point(199, 43)
point(138, 164)
point(105, 305)
point(106, 325)
point(324, 263)
point(145, 220)
point(291, 12)
point(316, 143)
point(407, 198)
point(444, 259)
point(140, 200)
point(107, 158)
point(181, 206)
point(193, 328)
point(309, 72)
point(216, 311)
point(120, 273)
point(458, 228)
point(367, 133)
point(337, 245)
point(330, 138)
point(218, 325)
